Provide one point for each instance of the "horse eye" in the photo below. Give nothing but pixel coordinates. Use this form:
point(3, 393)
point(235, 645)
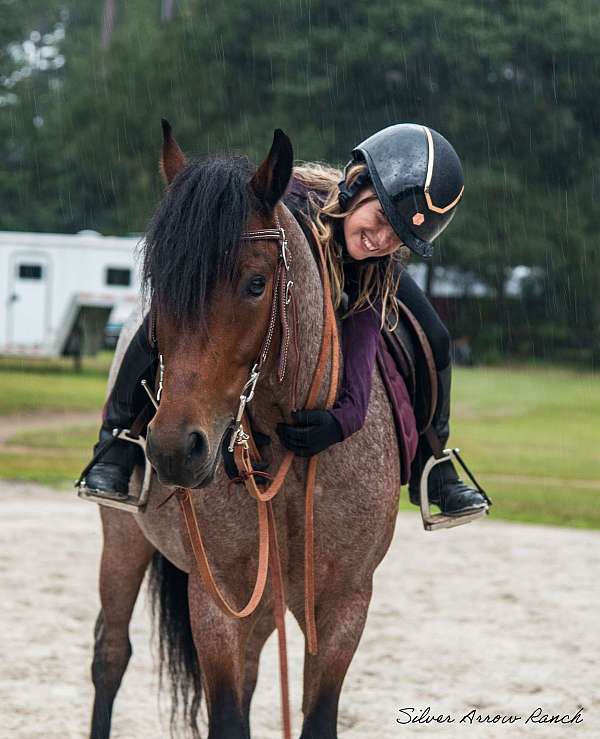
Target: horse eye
point(256, 286)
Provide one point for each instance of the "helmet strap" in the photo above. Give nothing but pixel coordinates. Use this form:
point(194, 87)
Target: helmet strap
point(347, 193)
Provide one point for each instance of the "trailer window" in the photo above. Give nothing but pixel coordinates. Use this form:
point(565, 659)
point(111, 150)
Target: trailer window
point(30, 271)
point(118, 276)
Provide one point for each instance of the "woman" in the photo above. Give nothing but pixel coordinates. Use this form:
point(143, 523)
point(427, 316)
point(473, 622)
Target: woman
point(400, 189)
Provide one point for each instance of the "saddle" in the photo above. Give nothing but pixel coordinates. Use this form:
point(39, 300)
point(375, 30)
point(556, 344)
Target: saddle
point(411, 351)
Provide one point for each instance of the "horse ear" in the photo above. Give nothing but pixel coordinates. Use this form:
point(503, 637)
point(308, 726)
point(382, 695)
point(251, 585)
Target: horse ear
point(172, 159)
point(273, 175)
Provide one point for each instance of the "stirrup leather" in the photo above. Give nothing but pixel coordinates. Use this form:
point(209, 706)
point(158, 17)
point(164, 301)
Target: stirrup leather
point(131, 503)
point(433, 521)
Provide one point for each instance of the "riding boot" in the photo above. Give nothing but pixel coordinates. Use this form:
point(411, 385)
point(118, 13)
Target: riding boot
point(445, 488)
point(116, 458)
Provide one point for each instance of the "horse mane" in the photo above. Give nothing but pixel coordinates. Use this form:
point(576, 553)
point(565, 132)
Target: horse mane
point(193, 241)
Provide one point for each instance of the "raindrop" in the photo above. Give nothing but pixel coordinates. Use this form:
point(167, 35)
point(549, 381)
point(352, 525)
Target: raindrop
point(508, 72)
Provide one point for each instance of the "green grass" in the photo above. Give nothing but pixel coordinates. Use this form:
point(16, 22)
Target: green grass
point(55, 468)
point(49, 457)
point(70, 438)
point(541, 422)
point(53, 385)
point(539, 425)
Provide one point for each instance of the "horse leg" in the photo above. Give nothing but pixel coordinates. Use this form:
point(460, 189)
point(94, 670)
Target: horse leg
point(125, 557)
point(340, 620)
point(221, 646)
point(256, 641)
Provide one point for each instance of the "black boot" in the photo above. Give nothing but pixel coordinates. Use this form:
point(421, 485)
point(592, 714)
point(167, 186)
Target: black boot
point(109, 474)
point(445, 488)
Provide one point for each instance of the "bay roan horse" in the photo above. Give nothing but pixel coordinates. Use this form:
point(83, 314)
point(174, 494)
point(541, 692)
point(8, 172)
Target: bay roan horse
point(213, 290)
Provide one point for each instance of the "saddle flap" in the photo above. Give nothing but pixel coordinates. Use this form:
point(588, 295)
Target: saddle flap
point(399, 344)
point(409, 346)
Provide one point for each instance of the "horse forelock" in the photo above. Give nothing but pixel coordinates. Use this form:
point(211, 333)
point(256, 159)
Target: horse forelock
point(193, 241)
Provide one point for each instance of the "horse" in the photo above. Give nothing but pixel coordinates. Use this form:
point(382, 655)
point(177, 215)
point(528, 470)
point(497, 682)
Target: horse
point(213, 290)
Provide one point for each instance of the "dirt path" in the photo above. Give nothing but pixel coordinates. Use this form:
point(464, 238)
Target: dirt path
point(493, 616)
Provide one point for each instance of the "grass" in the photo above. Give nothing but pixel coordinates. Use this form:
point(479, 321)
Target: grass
point(71, 438)
point(527, 432)
point(52, 385)
point(49, 468)
point(50, 457)
point(513, 423)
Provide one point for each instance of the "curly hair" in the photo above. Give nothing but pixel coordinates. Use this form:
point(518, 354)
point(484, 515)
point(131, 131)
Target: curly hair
point(376, 279)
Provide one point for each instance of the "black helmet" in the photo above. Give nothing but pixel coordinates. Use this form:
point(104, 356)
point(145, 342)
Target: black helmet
point(418, 179)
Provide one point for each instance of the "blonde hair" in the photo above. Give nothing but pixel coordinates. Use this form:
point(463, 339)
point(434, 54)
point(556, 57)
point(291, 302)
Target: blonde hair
point(376, 279)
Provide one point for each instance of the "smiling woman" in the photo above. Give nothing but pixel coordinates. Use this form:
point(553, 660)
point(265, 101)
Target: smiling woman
point(367, 231)
point(399, 191)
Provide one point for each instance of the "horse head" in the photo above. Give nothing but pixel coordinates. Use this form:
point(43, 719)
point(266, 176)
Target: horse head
point(212, 292)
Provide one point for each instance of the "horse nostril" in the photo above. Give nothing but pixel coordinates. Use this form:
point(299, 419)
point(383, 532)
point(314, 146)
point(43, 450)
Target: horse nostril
point(196, 444)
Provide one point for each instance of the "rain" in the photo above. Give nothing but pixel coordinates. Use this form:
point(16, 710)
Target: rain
point(513, 86)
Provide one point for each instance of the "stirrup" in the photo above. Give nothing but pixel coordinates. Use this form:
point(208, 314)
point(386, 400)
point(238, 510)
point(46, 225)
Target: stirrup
point(433, 521)
point(132, 503)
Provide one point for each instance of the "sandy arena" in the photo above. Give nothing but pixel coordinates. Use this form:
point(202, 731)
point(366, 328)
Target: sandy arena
point(497, 617)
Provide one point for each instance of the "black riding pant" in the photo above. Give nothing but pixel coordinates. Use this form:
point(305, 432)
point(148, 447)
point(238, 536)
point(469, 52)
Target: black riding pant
point(128, 397)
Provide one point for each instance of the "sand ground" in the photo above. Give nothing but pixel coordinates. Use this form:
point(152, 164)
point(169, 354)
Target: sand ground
point(497, 617)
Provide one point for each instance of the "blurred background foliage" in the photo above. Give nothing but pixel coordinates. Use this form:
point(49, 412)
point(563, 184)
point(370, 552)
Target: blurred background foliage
point(514, 85)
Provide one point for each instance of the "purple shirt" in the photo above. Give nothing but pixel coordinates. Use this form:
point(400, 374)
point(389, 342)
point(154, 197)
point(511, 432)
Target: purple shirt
point(360, 334)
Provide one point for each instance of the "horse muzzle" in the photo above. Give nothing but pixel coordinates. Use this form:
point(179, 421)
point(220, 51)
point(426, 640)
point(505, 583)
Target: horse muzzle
point(181, 459)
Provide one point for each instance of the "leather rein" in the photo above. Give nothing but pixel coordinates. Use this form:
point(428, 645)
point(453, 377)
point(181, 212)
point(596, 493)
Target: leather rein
point(244, 451)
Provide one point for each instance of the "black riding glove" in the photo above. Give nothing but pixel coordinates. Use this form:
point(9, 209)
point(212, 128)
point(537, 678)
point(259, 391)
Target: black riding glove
point(313, 432)
point(261, 440)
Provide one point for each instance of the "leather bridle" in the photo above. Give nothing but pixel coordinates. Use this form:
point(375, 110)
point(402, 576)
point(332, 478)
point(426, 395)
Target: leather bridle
point(244, 451)
point(282, 297)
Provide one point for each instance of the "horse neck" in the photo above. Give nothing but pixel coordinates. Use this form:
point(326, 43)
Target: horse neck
point(308, 298)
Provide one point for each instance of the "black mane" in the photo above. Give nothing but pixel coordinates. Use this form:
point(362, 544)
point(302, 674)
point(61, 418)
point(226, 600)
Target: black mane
point(193, 239)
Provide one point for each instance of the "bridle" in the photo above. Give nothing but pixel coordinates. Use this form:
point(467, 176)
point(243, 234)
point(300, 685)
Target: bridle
point(244, 451)
point(282, 297)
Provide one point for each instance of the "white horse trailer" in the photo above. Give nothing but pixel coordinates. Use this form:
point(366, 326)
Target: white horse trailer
point(57, 291)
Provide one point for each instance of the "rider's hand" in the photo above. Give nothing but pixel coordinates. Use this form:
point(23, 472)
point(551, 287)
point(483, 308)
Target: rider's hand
point(313, 432)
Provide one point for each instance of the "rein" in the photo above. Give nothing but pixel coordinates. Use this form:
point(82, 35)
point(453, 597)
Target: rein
point(244, 449)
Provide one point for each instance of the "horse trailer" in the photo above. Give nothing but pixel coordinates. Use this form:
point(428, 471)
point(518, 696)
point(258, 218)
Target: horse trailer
point(57, 291)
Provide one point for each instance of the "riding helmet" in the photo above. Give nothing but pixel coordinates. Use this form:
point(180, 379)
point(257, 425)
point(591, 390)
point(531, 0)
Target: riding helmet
point(418, 178)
